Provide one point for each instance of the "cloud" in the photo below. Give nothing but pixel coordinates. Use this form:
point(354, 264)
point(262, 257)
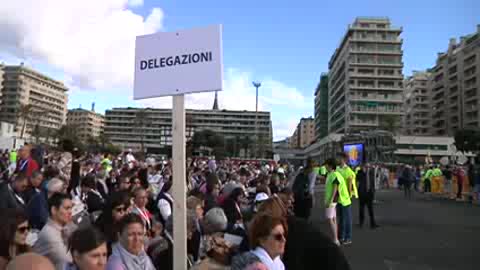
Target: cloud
point(92, 44)
point(91, 41)
point(135, 3)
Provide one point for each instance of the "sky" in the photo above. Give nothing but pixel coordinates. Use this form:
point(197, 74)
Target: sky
point(89, 45)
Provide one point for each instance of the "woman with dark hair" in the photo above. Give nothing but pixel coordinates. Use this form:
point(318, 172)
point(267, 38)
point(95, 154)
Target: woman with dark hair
point(129, 252)
point(75, 173)
point(306, 245)
point(212, 191)
point(92, 198)
point(116, 207)
point(89, 250)
point(142, 175)
point(232, 206)
point(14, 229)
point(268, 235)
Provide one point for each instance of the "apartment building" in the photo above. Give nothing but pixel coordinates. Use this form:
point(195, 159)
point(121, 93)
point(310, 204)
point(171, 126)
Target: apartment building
point(304, 134)
point(321, 108)
point(417, 120)
point(47, 97)
point(88, 123)
point(1, 81)
point(456, 86)
point(365, 81)
point(123, 129)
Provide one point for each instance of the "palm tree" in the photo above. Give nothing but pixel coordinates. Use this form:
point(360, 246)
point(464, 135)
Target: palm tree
point(141, 121)
point(24, 113)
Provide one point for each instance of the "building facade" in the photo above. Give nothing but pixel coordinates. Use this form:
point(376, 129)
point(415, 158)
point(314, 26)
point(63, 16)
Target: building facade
point(417, 120)
point(321, 108)
point(456, 86)
point(88, 123)
point(123, 129)
point(304, 134)
point(45, 99)
point(1, 82)
point(365, 82)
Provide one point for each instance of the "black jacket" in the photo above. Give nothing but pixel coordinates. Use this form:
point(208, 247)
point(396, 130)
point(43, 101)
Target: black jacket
point(94, 202)
point(8, 198)
point(308, 248)
point(366, 182)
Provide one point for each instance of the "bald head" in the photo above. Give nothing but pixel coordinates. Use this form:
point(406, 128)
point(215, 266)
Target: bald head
point(30, 261)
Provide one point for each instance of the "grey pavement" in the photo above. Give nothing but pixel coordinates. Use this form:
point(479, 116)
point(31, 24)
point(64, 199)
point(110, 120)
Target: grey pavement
point(422, 233)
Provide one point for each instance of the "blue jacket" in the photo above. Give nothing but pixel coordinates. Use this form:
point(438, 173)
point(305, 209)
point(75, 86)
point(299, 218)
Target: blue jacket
point(37, 210)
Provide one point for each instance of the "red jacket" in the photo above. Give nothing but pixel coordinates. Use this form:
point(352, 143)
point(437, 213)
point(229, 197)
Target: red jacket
point(27, 166)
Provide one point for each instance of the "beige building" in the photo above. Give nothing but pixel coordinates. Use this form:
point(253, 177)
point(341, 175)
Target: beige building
point(365, 80)
point(417, 120)
point(304, 134)
point(87, 122)
point(47, 97)
point(456, 86)
point(235, 126)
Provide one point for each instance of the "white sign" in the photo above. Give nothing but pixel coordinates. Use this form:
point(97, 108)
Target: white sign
point(173, 63)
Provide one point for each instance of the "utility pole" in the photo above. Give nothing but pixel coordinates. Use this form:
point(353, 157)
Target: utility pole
point(256, 85)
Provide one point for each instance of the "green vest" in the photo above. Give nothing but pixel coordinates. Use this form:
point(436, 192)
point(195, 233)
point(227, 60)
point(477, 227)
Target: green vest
point(323, 171)
point(13, 157)
point(347, 172)
point(429, 174)
point(106, 165)
point(343, 195)
point(437, 172)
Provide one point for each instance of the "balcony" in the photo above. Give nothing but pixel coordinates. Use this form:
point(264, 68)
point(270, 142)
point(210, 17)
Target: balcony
point(375, 110)
point(374, 64)
point(374, 75)
point(373, 87)
point(376, 51)
point(369, 123)
point(376, 40)
point(376, 98)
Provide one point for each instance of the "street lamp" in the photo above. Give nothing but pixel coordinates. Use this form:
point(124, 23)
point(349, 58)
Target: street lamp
point(256, 85)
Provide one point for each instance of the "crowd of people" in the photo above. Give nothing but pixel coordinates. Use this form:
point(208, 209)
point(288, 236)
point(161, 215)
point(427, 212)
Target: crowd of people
point(71, 210)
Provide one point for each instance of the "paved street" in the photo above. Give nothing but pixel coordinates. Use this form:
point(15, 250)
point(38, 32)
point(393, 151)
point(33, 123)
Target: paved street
point(419, 234)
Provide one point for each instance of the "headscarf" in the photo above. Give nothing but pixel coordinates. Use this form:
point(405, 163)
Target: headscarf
point(130, 261)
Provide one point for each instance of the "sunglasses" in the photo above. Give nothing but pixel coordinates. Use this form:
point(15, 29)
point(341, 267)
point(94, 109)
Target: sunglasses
point(279, 237)
point(120, 209)
point(23, 229)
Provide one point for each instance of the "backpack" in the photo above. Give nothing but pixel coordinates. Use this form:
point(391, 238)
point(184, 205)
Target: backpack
point(300, 186)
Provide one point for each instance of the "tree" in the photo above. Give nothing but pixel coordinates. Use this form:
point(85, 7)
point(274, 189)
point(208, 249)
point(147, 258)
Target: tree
point(36, 133)
point(208, 142)
point(467, 140)
point(390, 123)
point(25, 114)
point(142, 121)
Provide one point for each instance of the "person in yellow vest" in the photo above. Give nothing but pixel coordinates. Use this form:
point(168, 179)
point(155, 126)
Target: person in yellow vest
point(106, 163)
point(336, 195)
point(349, 175)
point(427, 180)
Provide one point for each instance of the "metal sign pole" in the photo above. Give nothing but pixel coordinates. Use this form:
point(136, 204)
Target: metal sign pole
point(179, 184)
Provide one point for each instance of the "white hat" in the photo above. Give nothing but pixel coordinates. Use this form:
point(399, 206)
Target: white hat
point(260, 197)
